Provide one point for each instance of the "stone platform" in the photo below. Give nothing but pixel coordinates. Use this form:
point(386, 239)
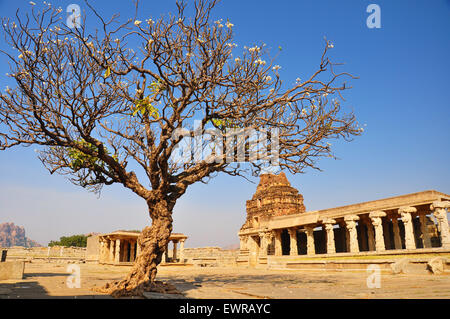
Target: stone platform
point(11, 270)
point(416, 261)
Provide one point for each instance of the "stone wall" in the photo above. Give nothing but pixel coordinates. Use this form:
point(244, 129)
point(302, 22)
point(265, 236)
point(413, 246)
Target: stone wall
point(92, 249)
point(203, 256)
point(55, 253)
point(209, 256)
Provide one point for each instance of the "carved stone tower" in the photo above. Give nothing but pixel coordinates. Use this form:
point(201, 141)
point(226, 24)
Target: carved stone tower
point(274, 197)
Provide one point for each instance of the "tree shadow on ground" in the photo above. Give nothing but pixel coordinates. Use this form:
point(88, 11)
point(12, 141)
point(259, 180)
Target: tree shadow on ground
point(34, 290)
point(31, 275)
point(249, 279)
point(25, 290)
point(242, 284)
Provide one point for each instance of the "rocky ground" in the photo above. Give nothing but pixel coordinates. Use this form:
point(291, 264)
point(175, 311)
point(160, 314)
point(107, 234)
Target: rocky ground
point(48, 280)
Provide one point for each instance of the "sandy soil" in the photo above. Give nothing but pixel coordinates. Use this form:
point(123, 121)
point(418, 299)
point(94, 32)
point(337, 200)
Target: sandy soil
point(48, 280)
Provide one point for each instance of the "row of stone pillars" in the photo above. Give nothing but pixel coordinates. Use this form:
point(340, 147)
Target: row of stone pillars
point(110, 250)
point(175, 256)
point(375, 233)
point(121, 250)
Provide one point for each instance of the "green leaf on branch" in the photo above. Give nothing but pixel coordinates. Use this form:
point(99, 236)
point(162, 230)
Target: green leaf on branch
point(222, 123)
point(144, 105)
point(82, 160)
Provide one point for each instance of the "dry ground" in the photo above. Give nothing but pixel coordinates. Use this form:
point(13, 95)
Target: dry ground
point(48, 280)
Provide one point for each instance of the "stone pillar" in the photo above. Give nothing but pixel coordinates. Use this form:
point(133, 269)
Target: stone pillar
point(328, 223)
point(125, 251)
point(111, 250)
point(264, 239)
point(405, 212)
point(182, 250)
point(138, 249)
point(347, 239)
point(253, 245)
point(262, 245)
point(362, 229)
point(310, 247)
point(397, 239)
point(378, 225)
point(117, 254)
point(132, 251)
point(344, 237)
point(166, 253)
point(61, 251)
point(370, 236)
point(174, 252)
point(439, 211)
point(105, 251)
point(243, 241)
point(386, 233)
point(350, 222)
point(293, 241)
point(426, 240)
point(278, 248)
point(102, 250)
point(164, 256)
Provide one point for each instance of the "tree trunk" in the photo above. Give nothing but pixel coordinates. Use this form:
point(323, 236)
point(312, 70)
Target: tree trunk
point(153, 240)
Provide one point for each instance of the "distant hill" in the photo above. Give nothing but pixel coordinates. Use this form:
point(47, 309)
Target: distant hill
point(12, 235)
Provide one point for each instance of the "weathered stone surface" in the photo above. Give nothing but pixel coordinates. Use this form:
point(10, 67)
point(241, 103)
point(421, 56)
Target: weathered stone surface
point(407, 209)
point(328, 223)
point(436, 265)
point(293, 240)
point(405, 213)
point(309, 230)
point(399, 267)
point(377, 223)
point(12, 270)
point(377, 214)
point(440, 204)
point(439, 211)
point(350, 223)
point(407, 266)
point(274, 196)
point(278, 208)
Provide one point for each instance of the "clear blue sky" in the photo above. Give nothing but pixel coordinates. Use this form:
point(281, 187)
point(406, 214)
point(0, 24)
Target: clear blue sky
point(402, 95)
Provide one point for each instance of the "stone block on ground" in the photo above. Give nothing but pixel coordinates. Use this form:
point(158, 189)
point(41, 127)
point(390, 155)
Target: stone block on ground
point(399, 266)
point(407, 266)
point(436, 265)
point(12, 270)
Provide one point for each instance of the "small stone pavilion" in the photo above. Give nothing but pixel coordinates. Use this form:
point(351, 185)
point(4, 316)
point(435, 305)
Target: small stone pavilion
point(278, 225)
point(121, 248)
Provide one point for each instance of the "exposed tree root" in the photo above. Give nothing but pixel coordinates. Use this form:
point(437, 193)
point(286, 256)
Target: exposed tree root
point(152, 242)
point(119, 289)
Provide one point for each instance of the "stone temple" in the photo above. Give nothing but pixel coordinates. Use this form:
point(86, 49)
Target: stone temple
point(279, 230)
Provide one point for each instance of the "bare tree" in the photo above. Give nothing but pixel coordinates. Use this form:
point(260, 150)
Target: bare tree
point(102, 103)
